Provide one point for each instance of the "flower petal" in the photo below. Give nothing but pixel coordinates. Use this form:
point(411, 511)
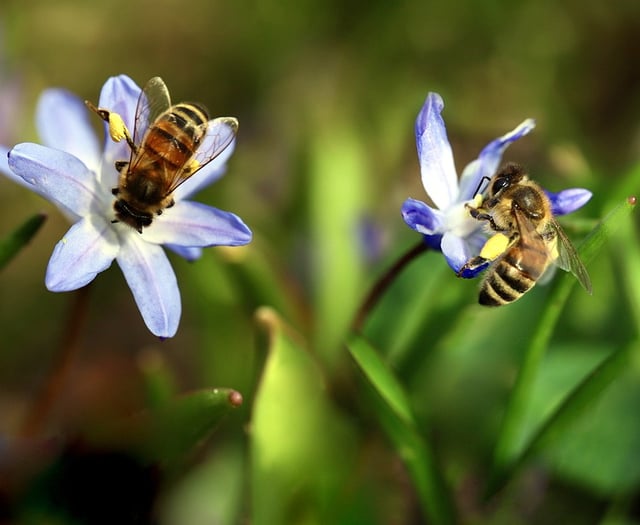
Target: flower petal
point(190, 223)
point(421, 217)
point(8, 172)
point(568, 201)
point(190, 253)
point(489, 159)
point(87, 249)
point(153, 283)
point(56, 175)
point(437, 168)
point(119, 95)
point(207, 174)
point(458, 250)
point(63, 123)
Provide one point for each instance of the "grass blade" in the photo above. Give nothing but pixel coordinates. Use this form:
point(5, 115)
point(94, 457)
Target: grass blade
point(511, 443)
point(396, 417)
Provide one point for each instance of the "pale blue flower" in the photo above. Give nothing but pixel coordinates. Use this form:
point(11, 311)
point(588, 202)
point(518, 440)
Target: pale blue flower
point(448, 227)
point(77, 175)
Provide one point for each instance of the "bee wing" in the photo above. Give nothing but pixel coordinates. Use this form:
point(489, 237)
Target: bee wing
point(219, 135)
point(568, 258)
point(153, 101)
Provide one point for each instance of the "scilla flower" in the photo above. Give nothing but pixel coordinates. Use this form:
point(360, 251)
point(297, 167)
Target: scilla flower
point(74, 173)
point(449, 227)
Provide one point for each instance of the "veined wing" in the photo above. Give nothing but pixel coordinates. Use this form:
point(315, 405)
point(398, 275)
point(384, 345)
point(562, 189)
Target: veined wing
point(153, 101)
point(220, 134)
point(568, 258)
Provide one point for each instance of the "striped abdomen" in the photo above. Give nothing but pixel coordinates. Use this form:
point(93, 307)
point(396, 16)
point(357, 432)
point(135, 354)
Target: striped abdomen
point(515, 273)
point(172, 140)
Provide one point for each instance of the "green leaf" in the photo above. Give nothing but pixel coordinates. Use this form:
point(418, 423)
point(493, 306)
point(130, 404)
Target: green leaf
point(167, 434)
point(16, 240)
point(301, 455)
point(213, 491)
point(383, 380)
point(512, 440)
point(595, 447)
point(396, 417)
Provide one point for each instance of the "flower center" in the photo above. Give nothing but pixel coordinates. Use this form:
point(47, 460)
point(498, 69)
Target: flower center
point(460, 222)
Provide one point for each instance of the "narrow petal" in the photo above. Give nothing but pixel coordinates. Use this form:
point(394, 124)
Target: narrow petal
point(6, 170)
point(568, 201)
point(153, 283)
point(458, 250)
point(421, 217)
point(56, 175)
point(190, 223)
point(63, 123)
point(190, 253)
point(489, 159)
point(207, 174)
point(120, 95)
point(437, 168)
point(87, 249)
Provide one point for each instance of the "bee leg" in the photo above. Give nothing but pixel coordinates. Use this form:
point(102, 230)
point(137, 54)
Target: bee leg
point(115, 191)
point(481, 216)
point(472, 264)
point(117, 128)
point(121, 164)
point(171, 203)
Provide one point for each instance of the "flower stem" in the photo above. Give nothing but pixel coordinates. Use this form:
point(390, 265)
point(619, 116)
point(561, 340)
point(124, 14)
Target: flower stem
point(40, 410)
point(380, 287)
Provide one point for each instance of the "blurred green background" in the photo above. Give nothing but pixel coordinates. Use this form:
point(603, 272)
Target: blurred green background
point(326, 94)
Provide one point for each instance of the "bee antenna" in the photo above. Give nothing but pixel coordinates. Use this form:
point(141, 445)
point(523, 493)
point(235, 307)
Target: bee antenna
point(482, 181)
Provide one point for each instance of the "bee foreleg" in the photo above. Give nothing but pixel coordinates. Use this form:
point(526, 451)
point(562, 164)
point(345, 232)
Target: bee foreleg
point(482, 216)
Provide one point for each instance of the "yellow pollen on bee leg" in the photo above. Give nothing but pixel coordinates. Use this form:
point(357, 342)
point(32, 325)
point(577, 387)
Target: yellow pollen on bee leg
point(193, 166)
point(117, 128)
point(494, 246)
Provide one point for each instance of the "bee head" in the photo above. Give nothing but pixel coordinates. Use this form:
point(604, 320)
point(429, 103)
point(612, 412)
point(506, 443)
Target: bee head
point(510, 174)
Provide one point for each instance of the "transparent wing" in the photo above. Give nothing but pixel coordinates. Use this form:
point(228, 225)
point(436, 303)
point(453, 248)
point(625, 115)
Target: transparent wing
point(219, 135)
point(154, 100)
point(568, 258)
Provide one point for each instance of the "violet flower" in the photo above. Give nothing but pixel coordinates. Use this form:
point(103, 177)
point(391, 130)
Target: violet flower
point(448, 227)
point(73, 172)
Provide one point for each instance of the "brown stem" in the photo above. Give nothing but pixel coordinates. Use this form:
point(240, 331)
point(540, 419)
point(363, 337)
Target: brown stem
point(40, 410)
point(380, 287)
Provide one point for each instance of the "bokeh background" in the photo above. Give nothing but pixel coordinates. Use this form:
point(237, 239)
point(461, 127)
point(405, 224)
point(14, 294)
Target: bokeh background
point(326, 94)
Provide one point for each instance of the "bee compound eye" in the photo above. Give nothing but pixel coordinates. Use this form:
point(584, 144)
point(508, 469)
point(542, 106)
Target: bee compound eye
point(499, 184)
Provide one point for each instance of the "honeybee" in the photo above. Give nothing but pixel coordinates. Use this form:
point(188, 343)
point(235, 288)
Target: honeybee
point(528, 239)
point(170, 143)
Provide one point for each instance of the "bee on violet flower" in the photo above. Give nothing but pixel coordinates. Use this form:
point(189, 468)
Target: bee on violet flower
point(72, 171)
point(449, 227)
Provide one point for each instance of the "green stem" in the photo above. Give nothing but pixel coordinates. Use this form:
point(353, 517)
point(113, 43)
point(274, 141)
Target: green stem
point(37, 416)
point(381, 286)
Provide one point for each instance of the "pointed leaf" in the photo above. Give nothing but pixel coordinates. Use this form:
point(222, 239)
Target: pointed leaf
point(396, 417)
point(512, 442)
point(167, 434)
point(16, 240)
point(299, 452)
